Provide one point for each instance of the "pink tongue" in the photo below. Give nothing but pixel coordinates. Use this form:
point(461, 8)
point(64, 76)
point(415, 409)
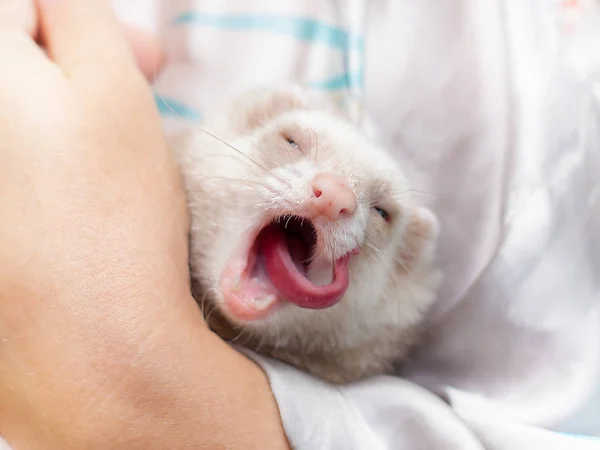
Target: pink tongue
point(292, 284)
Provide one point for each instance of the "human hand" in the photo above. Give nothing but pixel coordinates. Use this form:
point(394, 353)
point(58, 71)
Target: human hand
point(101, 344)
point(146, 49)
point(85, 177)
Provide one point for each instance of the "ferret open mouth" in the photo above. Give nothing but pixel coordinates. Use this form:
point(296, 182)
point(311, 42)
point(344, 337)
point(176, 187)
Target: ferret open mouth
point(274, 269)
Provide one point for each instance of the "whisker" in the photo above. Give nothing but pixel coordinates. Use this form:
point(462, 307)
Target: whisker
point(407, 288)
point(309, 131)
point(238, 335)
point(202, 303)
point(260, 343)
point(373, 247)
point(405, 268)
point(202, 130)
point(395, 193)
point(277, 334)
point(248, 337)
point(210, 313)
point(291, 157)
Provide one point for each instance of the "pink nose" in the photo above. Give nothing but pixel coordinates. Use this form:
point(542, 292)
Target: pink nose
point(332, 197)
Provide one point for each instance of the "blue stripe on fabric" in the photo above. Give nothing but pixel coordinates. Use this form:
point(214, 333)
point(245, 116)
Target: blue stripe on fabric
point(338, 82)
point(300, 28)
point(172, 108)
point(581, 436)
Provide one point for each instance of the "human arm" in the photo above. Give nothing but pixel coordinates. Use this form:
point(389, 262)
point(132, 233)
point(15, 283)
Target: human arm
point(101, 344)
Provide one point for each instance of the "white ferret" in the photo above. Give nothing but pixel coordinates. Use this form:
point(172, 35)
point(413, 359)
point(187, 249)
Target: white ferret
point(304, 244)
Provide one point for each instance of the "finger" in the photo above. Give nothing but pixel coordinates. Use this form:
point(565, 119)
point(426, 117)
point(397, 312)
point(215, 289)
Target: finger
point(148, 53)
point(83, 35)
point(18, 14)
point(21, 59)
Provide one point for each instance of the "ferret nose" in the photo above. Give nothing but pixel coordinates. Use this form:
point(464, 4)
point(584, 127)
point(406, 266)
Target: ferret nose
point(332, 197)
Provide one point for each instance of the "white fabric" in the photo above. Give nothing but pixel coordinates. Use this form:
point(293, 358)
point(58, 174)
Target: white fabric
point(490, 107)
point(494, 109)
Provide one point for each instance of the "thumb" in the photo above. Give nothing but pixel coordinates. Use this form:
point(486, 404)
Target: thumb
point(20, 14)
point(84, 35)
point(148, 52)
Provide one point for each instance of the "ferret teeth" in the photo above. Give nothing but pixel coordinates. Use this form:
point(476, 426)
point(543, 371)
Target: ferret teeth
point(264, 302)
point(237, 283)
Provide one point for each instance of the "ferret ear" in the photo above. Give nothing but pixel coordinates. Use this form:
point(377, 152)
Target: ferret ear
point(420, 239)
point(254, 108)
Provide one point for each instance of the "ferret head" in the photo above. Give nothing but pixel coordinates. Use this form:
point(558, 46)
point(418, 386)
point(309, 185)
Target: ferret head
point(305, 243)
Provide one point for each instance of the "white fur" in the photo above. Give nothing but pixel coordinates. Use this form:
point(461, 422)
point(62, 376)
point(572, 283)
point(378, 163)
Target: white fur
point(255, 176)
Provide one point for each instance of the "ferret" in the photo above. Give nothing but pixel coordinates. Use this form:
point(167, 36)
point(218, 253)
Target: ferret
point(305, 245)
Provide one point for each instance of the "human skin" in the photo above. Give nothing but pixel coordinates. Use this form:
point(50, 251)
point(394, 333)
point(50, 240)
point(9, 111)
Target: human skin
point(101, 343)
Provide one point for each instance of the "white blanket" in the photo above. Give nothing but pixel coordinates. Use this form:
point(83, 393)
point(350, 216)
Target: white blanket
point(493, 107)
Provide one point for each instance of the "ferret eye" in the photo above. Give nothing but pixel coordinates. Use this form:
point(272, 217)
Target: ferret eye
point(383, 213)
point(292, 143)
